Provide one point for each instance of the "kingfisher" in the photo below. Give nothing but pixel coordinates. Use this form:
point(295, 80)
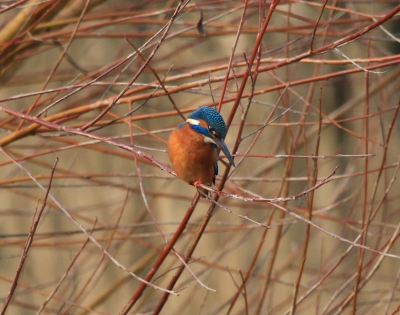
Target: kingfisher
point(194, 145)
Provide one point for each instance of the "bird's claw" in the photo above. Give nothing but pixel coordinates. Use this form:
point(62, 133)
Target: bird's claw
point(197, 183)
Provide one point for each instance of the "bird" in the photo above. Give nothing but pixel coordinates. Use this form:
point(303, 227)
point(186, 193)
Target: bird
point(193, 147)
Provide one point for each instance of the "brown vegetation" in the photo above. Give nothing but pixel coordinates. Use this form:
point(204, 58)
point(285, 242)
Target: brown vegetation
point(93, 220)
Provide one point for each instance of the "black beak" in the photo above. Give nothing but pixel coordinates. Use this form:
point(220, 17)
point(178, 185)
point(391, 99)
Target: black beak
point(224, 149)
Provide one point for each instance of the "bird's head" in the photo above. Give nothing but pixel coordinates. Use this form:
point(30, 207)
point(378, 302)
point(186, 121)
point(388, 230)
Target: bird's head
point(208, 122)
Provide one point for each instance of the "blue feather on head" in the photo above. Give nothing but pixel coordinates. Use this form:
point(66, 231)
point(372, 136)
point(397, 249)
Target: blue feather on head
point(212, 118)
point(195, 158)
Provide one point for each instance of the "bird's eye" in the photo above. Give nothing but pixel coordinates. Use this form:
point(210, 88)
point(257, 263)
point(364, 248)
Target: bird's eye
point(212, 131)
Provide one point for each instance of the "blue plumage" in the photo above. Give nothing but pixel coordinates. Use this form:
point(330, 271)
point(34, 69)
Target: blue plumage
point(193, 147)
point(212, 118)
point(216, 125)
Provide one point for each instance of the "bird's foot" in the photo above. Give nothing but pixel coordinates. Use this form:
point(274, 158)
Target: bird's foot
point(197, 183)
point(203, 192)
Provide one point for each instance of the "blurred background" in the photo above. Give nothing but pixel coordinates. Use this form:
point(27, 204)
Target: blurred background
point(323, 91)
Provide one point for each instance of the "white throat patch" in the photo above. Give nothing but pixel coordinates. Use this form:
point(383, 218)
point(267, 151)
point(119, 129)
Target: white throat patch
point(209, 140)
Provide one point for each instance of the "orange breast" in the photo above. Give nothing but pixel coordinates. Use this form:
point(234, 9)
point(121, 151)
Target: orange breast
point(191, 157)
